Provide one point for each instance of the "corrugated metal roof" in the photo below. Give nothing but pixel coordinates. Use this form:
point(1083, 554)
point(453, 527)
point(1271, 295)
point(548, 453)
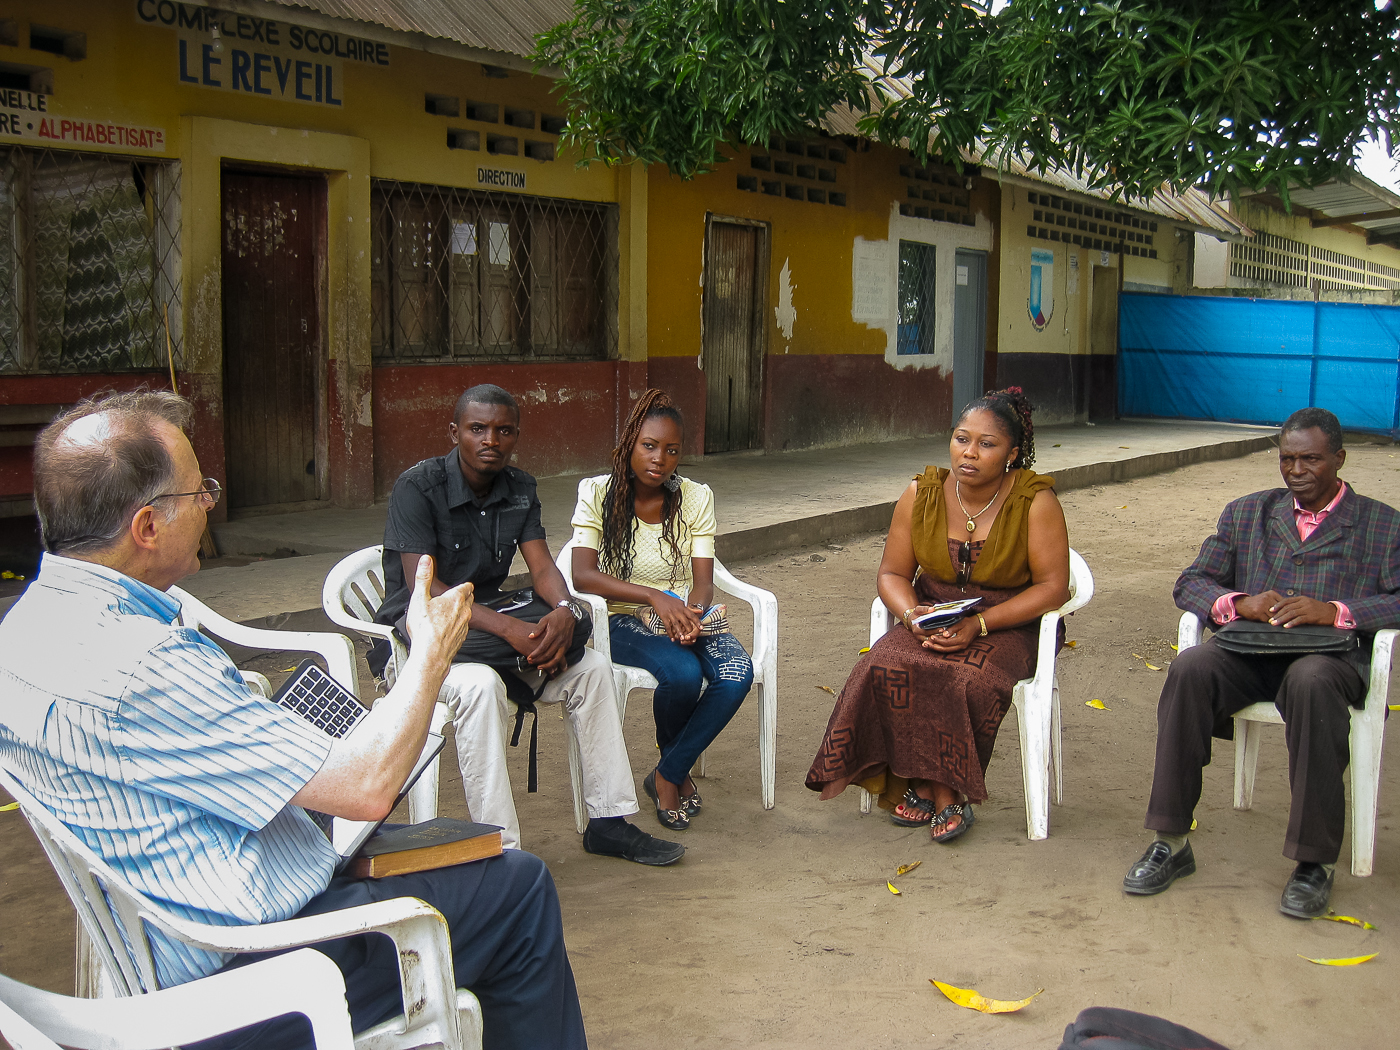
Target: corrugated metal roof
point(507, 26)
point(1353, 198)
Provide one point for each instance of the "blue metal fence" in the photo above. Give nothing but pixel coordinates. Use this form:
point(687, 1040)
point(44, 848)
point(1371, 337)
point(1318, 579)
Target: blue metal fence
point(1257, 360)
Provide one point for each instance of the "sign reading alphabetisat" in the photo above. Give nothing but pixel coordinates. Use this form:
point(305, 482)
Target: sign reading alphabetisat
point(29, 115)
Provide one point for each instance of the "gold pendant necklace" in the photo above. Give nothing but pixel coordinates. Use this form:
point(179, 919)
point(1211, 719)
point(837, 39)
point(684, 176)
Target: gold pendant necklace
point(972, 518)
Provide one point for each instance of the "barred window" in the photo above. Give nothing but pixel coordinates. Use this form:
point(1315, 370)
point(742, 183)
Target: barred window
point(463, 275)
point(89, 262)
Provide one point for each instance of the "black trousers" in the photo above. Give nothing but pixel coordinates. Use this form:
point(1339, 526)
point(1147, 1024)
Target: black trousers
point(507, 947)
point(1205, 687)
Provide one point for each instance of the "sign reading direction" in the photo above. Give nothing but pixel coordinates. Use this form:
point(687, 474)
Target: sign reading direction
point(29, 115)
point(258, 56)
point(501, 177)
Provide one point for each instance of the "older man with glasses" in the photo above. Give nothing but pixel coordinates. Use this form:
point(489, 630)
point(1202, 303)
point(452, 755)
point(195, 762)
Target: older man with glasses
point(142, 738)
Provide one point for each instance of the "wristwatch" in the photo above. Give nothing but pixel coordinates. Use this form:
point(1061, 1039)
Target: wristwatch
point(573, 607)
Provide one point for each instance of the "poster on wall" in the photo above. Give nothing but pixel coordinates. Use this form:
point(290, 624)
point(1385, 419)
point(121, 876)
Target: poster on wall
point(1041, 302)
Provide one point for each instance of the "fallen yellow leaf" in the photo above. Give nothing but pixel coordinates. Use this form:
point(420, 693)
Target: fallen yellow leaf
point(864, 651)
point(8, 575)
point(1193, 823)
point(1057, 445)
point(1071, 645)
point(905, 869)
point(1349, 920)
point(1395, 707)
point(1355, 960)
point(292, 668)
point(1139, 656)
point(12, 806)
point(976, 1001)
point(1097, 705)
point(892, 889)
point(1152, 667)
point(828, 689)
point(1123, 507)
point(1175, 649)
point(1122, 446)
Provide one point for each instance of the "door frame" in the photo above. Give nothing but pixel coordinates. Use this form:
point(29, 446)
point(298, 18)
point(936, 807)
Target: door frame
point(320, 245)
point(758, 335)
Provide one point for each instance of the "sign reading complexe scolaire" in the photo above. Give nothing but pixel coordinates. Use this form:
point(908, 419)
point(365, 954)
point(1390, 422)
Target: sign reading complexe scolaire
point(28, 115)
point(259, 56)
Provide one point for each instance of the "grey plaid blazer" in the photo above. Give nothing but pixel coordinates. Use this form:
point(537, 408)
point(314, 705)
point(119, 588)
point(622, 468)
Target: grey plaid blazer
point(1352, 557)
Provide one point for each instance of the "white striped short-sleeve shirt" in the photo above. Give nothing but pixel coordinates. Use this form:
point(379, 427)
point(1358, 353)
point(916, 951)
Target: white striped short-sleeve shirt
point(143, 739)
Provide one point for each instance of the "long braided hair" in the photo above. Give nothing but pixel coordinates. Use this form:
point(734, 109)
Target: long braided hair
point(1013, 409)
point(620, 500)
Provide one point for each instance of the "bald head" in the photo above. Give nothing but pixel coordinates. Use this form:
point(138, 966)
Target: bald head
point(100, 462)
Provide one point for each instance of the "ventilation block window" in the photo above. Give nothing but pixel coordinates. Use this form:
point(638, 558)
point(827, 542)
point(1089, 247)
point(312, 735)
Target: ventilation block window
point(89, 262)
point(459, 138)
point(18, 77)
point(65, 42)
point(442, 105)
point(552, 125)
point(486, 112)
point(539, 150)
point(916, 298)
point(520, 118)
point(469, 276)
point(503, 145)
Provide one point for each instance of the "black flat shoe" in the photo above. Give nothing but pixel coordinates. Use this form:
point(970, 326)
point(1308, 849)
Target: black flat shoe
point(691, 803)
point(621, 839)
point(1158, 868)
point(675, 819)
point(1308, 891)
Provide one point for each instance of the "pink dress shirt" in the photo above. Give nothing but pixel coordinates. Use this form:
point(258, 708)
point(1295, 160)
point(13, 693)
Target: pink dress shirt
point(1223, 611)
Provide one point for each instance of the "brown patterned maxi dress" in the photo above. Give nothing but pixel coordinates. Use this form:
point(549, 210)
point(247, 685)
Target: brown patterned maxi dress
point(909, 713)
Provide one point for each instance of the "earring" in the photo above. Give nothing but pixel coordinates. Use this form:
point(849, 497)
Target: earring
point(672, 484)
point(1007, 469)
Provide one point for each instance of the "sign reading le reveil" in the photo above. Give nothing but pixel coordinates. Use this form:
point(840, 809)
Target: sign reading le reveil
point(259, 56)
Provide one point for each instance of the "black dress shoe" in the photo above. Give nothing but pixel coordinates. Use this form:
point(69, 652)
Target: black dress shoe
point(674, 819)
point(621, 839)
point(1308, 891)
point(1158, 868)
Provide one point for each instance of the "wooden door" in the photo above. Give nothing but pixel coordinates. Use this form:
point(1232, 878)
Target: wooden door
point(733, 346)
point(1103, 340)
point(273, 232)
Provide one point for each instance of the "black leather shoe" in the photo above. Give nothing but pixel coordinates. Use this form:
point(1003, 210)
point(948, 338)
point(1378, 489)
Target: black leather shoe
point(1159, 868)
point(621, 839)
point(674, 819)
point(1308, 891)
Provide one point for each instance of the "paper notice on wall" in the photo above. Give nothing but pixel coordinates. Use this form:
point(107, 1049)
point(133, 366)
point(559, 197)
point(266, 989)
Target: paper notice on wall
point(871, 298)
point(962, 277)
point(464, 238)
point(1104, 258)
point(1072, 277)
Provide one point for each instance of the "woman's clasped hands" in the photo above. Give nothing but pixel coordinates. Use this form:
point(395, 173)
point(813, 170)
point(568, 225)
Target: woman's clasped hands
point(950, 638)
point(682, 620)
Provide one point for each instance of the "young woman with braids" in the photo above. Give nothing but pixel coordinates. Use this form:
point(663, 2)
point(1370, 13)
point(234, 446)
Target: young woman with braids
point(917, 719)
point(644, 535)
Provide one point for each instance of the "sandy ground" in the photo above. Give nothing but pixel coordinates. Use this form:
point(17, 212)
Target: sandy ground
point(777, 930)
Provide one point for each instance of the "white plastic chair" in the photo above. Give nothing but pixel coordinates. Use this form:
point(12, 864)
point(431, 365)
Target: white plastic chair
point(1367, 736)
point(763, 652)
point(1037, 703)
point(115, 916)
point(300, 982)
point(350, 597)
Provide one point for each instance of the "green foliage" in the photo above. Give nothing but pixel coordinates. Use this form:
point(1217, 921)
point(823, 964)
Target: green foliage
point(1223, 94)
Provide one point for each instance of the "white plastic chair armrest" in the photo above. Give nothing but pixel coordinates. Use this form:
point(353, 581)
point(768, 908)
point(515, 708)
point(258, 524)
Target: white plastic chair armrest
point(763, 603)
point(304, 982)
point(1045, 652)
point(1188, 632)
point(597, 605)
point(881, 620)
point(256, 682)
point(1083, 581)
point(418, 931)
point(1381, 651)
point(337, 650)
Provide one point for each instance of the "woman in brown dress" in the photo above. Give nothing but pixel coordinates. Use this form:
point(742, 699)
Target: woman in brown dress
point(917, 719)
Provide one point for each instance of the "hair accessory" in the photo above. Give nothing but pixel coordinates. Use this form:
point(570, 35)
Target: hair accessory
point(972, 518)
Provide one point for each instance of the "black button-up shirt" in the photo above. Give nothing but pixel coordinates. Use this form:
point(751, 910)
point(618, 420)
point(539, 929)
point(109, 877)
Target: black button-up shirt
point(433, 510)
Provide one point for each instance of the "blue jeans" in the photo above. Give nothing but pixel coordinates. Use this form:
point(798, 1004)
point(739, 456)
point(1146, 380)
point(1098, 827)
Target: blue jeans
point(699, 688)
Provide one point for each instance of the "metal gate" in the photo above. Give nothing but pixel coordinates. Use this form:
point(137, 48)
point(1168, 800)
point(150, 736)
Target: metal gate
point(969, 326)
point(273, 237)
point(735, 263)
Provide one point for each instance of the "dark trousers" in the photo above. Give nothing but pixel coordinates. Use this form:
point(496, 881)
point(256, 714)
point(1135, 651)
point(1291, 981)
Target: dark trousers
point(1205, 687)
point(698, 687)
point(507, 948)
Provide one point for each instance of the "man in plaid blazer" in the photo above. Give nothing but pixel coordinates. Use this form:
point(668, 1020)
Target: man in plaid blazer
point(1316, 552)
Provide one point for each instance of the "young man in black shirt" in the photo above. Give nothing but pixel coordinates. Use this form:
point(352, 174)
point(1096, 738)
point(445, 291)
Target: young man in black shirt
point(470, 509)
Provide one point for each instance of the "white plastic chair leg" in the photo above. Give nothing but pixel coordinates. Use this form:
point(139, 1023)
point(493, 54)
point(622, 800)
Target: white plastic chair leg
point(1057, 744)
point(1035, 762)
point(576, 776)
point(865, 798)
point(768, 737)
point(1366, 742)
point(1247, 736)
point(698, 770)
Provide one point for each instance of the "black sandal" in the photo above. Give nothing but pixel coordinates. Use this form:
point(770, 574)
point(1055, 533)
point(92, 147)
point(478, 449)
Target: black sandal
point(962, 810)
point(913, 800)
point(675, 819)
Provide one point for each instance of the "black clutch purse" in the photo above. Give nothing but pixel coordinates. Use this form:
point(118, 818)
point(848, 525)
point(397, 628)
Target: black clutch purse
point(1266, 639)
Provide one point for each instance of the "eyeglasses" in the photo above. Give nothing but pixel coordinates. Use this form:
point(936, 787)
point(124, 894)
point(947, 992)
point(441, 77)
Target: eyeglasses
point(964, 562)
point(211, 491)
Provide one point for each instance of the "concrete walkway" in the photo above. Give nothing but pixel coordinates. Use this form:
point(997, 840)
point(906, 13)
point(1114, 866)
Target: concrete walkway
point(766, 502)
